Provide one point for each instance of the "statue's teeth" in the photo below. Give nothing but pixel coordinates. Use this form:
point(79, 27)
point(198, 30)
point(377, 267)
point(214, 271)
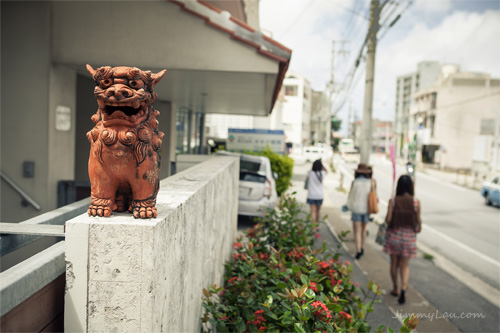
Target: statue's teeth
point(133, 119)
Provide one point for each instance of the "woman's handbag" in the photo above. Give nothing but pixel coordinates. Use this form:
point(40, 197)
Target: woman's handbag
point(306, 184)
point(372, 200)
point(381, 233)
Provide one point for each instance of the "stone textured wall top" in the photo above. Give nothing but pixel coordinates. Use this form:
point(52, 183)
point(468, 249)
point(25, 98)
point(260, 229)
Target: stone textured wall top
point(133, 275)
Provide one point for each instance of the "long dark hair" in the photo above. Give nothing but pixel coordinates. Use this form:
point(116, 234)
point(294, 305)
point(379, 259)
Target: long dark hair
point(317, 166)
point(405, 185)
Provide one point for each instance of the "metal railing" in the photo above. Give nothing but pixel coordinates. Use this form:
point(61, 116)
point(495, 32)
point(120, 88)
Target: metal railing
point(25, 196)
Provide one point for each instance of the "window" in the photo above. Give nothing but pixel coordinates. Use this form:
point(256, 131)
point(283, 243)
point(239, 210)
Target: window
point(433, 100)
point(290, 90)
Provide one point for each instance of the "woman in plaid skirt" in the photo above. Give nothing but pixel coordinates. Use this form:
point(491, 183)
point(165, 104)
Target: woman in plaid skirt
point(403, 220)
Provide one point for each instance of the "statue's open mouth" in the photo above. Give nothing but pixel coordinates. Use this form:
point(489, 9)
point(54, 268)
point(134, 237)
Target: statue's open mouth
point(118, 111)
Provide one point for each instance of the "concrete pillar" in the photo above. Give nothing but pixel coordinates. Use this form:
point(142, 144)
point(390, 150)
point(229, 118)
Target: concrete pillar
point(129, 275)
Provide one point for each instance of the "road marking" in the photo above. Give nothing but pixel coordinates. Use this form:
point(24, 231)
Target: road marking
point(432, 178)
point(442, 235)
point(455, 242)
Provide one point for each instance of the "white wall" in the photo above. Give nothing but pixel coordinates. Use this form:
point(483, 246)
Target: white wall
point(128, 275)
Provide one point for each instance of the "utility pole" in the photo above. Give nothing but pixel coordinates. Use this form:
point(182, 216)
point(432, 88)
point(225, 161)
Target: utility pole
point(366, 128)
point(331, 88)
point(349, 120)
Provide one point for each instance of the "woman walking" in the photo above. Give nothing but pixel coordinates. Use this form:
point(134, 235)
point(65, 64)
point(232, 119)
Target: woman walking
point(358, 205)
point(403, 220)
point(315, 189)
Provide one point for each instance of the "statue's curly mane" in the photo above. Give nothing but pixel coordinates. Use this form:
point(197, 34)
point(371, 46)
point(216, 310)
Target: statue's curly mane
point(140, 138)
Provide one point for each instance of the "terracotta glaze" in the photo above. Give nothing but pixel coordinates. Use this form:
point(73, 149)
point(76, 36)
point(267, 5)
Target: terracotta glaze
point(124, 162)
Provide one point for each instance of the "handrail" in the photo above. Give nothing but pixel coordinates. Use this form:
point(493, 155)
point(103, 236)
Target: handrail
point(20, 191)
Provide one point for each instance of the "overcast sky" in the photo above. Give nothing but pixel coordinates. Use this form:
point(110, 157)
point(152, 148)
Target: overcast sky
point(463, 32)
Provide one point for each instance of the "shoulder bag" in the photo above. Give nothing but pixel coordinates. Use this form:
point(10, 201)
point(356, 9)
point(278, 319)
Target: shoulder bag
point(372, 200)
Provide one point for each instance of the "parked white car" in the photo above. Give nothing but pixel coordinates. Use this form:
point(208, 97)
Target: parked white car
point(257, 189)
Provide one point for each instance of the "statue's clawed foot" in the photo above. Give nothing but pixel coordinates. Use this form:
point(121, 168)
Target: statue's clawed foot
point(100, 207)
point(145, 212)
point(99, 210)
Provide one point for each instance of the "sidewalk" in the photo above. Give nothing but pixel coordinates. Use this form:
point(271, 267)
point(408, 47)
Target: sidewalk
point(374, 264)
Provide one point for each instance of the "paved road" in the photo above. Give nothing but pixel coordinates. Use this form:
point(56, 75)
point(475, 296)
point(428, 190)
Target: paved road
point(457, 223)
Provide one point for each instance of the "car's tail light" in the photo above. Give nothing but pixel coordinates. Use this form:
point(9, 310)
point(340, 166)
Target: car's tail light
point(268, 190)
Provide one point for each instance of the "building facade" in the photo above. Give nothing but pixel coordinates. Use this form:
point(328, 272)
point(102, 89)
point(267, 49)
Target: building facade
point(296, 113)
point(407, 85)
point(320, 118)
point(216, 63)
point(456, 121)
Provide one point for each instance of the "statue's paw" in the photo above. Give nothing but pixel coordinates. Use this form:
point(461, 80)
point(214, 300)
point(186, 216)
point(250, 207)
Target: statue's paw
point(144, 212)
point(98, 210)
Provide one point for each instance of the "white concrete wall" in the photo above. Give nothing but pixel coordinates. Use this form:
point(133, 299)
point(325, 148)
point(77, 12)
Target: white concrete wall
point(128, 275)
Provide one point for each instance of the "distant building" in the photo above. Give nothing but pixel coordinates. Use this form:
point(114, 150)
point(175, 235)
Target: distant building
point(382, 134)
point(320, 118)
point(297, 110)
point(454, 121)
point(407, 85)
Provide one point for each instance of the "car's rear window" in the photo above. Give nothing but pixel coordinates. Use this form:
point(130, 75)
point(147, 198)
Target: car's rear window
point(252, 177)
point(249, 165)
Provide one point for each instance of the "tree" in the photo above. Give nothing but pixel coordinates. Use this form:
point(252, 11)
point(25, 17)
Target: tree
point(336, 124)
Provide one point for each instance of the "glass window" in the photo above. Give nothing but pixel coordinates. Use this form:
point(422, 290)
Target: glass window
point(291, 90)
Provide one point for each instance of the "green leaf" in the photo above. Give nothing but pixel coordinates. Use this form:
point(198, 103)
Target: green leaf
point(304, 279)
point(404, 329)
point(240, 325)
point(334, 307)
point(389, 330)
point(281, 285)
point(299, 328)
point(270, 299)
point(295, 269)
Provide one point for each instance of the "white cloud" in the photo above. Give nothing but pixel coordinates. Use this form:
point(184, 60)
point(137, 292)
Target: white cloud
point(470, 40)
point(428, 6)
point(428, 30)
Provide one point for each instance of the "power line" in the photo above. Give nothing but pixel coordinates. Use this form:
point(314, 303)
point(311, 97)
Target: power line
point(294, 22)
point(348, 9)
point(350, 76)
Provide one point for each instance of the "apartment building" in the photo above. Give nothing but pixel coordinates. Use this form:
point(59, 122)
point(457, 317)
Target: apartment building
point(426, 74)
point(454, 121)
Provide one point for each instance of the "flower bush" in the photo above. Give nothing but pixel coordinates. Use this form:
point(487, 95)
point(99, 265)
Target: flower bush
point(276, 282)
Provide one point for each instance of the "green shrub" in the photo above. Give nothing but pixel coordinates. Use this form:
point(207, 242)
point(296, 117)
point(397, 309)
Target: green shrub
point(282, 165)
point(276, 282)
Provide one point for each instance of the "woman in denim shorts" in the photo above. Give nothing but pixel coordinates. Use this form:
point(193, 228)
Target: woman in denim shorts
point(315, 189)
point(358, 205)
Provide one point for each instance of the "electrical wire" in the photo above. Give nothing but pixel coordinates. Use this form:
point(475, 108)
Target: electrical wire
point(351, 74)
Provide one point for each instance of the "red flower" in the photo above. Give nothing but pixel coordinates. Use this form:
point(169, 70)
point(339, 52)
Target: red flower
point(237, 256)
point(317, 236)
point(233, 279)
point(323, 264)
point(313, 286)
point(223, 318)
point(347, 262)
point(259, 319)
point(345, 315)
point(263, 256)
point(322, 311)
point(237, 245)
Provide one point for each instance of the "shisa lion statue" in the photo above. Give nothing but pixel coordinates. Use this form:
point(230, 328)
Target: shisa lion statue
point(124, 162)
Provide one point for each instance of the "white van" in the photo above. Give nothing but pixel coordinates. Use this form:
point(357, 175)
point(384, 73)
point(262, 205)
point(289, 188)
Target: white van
point(313, 153)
